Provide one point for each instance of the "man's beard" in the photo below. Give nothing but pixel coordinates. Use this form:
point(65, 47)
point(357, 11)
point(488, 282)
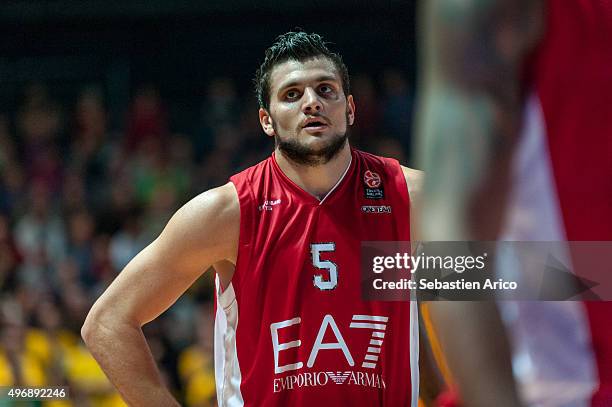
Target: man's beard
point(303, 155)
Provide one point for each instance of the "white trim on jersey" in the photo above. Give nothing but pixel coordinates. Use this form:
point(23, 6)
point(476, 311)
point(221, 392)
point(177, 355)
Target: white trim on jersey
point(227, 369)
point(552, 357)
point(339, 181)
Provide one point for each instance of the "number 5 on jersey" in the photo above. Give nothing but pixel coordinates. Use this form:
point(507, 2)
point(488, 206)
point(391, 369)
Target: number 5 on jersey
point(315, 250)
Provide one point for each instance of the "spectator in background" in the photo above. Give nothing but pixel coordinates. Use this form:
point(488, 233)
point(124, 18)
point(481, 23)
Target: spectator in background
point(49, 341)
point(367, 103)
point(102, 266)
point(12, 181)
point(39, 124)
point(7, 144)
point(12, 186)
point(147, 119)
point(80, 245)
point(18, 367)
point(397, 106)
point(10, 258)
point(73, 196)
point(40, 236)
point(91, 147)
point(195, 363)
point(254, 148)
point(220, 107)
point(181, 156)
point(158, 167)
point(128, 240)
point(221, 160)
point(119, 205)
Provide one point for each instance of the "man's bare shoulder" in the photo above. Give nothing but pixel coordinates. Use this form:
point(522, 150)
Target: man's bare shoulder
point(201, 233)
point(222, 202)
point(414, 180)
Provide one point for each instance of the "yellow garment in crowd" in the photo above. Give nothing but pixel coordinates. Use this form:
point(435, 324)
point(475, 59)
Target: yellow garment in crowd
point(78, 367)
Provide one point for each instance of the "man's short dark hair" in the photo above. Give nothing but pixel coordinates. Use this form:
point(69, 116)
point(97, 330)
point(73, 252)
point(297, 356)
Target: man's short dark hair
point(298, 46)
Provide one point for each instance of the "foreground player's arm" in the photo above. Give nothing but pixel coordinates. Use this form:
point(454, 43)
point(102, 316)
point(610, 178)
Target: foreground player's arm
point(201, 233)
point(473, 54)
point(431, 382)
point(473, 57)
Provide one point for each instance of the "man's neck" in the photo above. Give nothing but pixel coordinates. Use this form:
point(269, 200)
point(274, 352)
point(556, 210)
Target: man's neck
point(317, 180)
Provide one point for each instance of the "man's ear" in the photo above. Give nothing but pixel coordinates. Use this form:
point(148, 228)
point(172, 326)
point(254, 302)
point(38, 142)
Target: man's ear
point(266, 122)
point(350, 109)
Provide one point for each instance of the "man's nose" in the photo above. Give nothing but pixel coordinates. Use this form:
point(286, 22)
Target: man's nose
point(312, 103)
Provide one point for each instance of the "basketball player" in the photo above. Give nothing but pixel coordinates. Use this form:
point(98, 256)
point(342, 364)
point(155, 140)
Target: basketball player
point(284, 235)
point(515, 137)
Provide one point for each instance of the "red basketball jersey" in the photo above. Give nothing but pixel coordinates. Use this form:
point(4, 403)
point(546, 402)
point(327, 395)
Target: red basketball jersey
point(563, 191)
point(574, 83)
point(292, 328)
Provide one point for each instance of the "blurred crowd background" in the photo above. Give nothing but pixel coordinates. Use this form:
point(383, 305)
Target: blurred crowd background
point(113, 117)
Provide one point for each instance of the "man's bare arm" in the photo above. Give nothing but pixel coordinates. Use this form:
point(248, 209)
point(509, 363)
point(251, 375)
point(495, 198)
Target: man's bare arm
point(473, 54)
point(203, 232)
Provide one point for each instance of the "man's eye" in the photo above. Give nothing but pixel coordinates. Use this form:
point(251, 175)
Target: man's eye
point(292, 94)
point(325, 89)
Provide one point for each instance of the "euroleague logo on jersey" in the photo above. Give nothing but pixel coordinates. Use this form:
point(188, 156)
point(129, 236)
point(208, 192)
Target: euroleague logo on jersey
point(371, 179)
point(372, 188)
